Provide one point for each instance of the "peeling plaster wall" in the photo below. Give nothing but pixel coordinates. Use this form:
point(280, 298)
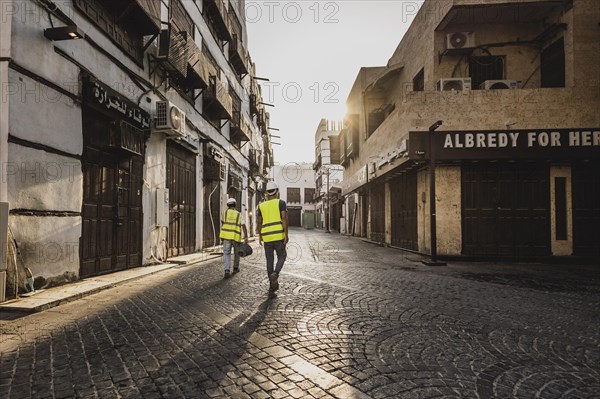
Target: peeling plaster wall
point(43, 181)
point(49, 245)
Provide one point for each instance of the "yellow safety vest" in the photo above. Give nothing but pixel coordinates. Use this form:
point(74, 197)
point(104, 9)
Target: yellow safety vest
point(232, 227)
point(272, 227)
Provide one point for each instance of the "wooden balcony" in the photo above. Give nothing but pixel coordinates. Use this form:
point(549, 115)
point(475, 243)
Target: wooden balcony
point(173, 51)
point(217, 101)
point(141, 16)
point(219, 18)
point(239, 128)
point(238, 56)
point(199, 68)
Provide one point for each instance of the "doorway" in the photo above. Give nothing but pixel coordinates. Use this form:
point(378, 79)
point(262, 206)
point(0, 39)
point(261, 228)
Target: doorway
point(181, 182)
point(112, 202)
point(506, 210)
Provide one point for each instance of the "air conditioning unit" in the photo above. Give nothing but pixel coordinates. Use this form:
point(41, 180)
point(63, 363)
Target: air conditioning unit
point(453, 84)
point(498, 84)
point(169, 119)
point(460, 40)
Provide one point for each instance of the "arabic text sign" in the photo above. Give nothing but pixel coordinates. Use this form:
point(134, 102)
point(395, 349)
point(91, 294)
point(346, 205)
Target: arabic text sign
point(110, 102)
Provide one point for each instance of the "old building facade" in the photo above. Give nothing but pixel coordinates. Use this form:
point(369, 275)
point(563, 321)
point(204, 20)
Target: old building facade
point(123, 145)
point(515, 88)
point(328, 175)
point(296, 182)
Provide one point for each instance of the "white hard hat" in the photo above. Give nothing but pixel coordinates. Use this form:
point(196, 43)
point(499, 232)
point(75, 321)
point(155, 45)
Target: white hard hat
point(272, 187)
point(231, 201)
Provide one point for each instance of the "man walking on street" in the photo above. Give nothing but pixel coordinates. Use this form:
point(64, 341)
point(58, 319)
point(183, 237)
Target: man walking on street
point(232, 225)
point(273, 230)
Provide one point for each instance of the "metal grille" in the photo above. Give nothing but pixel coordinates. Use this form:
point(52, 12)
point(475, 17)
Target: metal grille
point(162, 114)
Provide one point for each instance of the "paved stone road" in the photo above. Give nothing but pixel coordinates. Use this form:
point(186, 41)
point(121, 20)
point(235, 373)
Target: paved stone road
point(352, 320)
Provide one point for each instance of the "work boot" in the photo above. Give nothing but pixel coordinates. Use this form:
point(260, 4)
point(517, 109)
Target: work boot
point(227, 274)
point(236, 270)
point(273, 283)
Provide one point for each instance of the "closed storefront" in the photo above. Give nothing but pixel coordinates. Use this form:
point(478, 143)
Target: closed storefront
point(586, 208)
point(181, 182)
point(506, 209)
point(378, 212)
point(112, 165)
point(403, 190)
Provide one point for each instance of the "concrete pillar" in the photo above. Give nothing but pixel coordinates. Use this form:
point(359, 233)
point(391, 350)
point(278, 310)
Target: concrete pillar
point(388, 214)
point(5, 54)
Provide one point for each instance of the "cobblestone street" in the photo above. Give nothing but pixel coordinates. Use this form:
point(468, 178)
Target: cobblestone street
point(351, 320)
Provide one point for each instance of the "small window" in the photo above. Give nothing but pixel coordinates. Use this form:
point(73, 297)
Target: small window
point(293, 195)
point(309, 195)
point(419, 81)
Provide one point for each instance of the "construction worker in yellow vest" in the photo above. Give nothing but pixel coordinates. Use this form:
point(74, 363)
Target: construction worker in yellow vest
point(233, 224)
point(272, 226)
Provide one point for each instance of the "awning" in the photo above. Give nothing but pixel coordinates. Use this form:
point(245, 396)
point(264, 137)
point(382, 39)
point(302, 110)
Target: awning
point(390, 73)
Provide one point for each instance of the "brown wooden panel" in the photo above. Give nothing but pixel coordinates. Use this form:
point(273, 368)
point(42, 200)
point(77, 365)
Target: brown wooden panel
point(112, 207)
point(181, 182)
point(378, 212)
point(403, 190)
point(294, 217)
point(586, 208)
point(506, 210)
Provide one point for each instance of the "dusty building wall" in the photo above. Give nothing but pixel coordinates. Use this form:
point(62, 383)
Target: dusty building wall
point(43, 88)
point(529, 107)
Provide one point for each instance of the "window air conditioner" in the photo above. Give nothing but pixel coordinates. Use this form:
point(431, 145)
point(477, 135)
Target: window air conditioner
point(460, 40)
point(498, 84)
point(453, 84)
point(169, 119)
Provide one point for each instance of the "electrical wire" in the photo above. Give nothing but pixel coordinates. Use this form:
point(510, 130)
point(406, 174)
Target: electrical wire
point(212, 221)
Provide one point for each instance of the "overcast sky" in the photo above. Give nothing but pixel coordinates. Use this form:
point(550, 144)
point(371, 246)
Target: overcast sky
point(311, 51)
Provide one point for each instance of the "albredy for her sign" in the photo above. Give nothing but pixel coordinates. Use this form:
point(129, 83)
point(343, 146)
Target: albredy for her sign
point(506, 144)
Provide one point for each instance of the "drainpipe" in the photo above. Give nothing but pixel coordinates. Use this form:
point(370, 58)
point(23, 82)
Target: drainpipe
point(6, 14)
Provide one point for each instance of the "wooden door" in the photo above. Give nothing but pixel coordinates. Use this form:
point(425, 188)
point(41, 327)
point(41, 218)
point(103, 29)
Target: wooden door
point(378, 212)
point(586, 208)
point(181, 182)
point(294, 217)
point(506, 210)
point(403, 190)
point(111, 213)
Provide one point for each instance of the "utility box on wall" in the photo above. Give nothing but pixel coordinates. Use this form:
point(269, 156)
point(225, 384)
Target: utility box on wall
point(3, 246)
point(162, 207)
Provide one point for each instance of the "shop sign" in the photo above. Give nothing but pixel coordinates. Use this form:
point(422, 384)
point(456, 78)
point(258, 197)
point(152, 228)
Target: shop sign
point(108, 101)
point(355, 181)
point(508, 144)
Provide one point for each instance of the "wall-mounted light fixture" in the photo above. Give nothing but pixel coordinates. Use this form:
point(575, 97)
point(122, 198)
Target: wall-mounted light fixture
point(63, 33)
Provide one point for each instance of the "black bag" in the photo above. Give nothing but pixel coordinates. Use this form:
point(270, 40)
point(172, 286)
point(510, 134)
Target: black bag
point(244, 250)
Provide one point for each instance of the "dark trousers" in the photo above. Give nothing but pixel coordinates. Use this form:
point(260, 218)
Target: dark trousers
point(275, 246)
